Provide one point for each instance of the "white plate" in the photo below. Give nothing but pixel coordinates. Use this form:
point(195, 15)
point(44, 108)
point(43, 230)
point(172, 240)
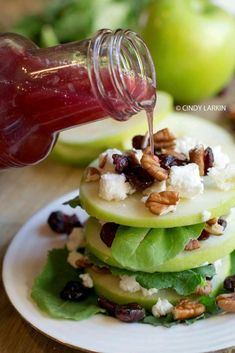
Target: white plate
point(24, 260)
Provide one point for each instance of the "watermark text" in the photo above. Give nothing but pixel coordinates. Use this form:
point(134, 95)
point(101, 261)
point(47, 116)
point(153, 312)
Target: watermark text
point(201, 108)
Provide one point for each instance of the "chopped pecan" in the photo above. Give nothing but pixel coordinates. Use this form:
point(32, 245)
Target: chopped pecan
point(192, 245)
point(102, 160)
point(164, 139)
point(205, 289)
point(104, 270)
point(92, 174)
point(212, 221)
point(162, 202)
point(226, 302)
point(187, 309)
point(137, 141)
point(196, 155)
point(215, 229)
point(151, 163)
point(83, 262)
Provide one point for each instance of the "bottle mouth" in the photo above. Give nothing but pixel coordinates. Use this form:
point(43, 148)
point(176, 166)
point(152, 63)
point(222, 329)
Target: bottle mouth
point(122, 73)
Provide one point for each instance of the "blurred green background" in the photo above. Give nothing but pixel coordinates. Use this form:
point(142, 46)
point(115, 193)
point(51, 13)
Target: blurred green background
point(192, 43)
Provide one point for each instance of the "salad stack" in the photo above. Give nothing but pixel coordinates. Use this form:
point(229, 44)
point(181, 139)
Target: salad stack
point(157, 246)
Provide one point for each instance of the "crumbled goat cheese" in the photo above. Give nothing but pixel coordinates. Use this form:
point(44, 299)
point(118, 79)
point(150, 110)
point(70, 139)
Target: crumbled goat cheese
point(76, 239)
point(223, 178)
point(220, 159)
point(144, 199)
point(129, 284)
point(86, 280)
point(146, 292)
point(162, 308)
point(73, 257)
point(206, 215)
point(114, 187)
point(108, 166)
point(156, 187)
point(185, 144)
point(186, 180)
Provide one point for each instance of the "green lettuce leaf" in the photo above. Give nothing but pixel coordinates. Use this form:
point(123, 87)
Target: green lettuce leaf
point(168, 320)
point(184, 282)
point(210, 304)
point(49, 283)
point(145, 248)
point(73, 202)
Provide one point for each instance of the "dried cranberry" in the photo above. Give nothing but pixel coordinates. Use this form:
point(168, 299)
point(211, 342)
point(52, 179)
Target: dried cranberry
point(137, 141)
point(139, 178)
point(63, 223)
point(222, 222)
point(121, 162)
point(208, 160)
point(229, 283)
point(74, 291)
point(107, 305)
point(108, 232)
point(130, 312)
point(167, 161)
point(204, 235)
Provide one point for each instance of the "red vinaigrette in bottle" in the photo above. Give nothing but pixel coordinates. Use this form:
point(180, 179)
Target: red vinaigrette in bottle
point(44, 91)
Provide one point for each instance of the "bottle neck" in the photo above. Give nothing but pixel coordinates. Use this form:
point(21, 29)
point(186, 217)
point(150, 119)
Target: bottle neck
point(121, 73)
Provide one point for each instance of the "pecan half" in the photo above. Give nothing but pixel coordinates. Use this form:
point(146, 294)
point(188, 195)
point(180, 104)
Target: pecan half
point(226, 302)
point(164, 139)
point(83, 262)
point(215, 229)
point(163, 202)
point(151, 163)
point(205, 289)
point(192, 245)
point(187, 309)
point(196, 155)
point(92, 174)
point(212, 221)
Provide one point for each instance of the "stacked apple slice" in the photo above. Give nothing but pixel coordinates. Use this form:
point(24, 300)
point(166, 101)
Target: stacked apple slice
point(157, 259)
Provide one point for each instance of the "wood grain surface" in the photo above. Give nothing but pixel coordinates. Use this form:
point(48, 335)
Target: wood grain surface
point(22, 193)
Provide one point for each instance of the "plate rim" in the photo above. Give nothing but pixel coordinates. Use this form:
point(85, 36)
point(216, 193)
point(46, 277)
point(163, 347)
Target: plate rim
point(59, 201)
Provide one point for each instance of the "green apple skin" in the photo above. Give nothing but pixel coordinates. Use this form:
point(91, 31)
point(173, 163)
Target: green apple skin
point(107, 285)
point(210, 250)
point(193, 47)
point(188, 212)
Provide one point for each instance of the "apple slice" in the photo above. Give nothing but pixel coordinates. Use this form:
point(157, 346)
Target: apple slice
point(211, 249)
point(107, 285)
point(82, 144)
point(133, 212)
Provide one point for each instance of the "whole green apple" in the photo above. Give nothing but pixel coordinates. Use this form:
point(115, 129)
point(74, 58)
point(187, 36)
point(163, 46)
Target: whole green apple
point(193, 46)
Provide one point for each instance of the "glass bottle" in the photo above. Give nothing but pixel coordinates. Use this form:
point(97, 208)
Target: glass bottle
point(44, 91)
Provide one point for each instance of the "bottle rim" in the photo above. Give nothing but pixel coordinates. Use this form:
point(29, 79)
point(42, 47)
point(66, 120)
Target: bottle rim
point(123, 53)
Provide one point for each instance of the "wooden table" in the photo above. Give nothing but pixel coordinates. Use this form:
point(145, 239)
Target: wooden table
point(23, 192)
